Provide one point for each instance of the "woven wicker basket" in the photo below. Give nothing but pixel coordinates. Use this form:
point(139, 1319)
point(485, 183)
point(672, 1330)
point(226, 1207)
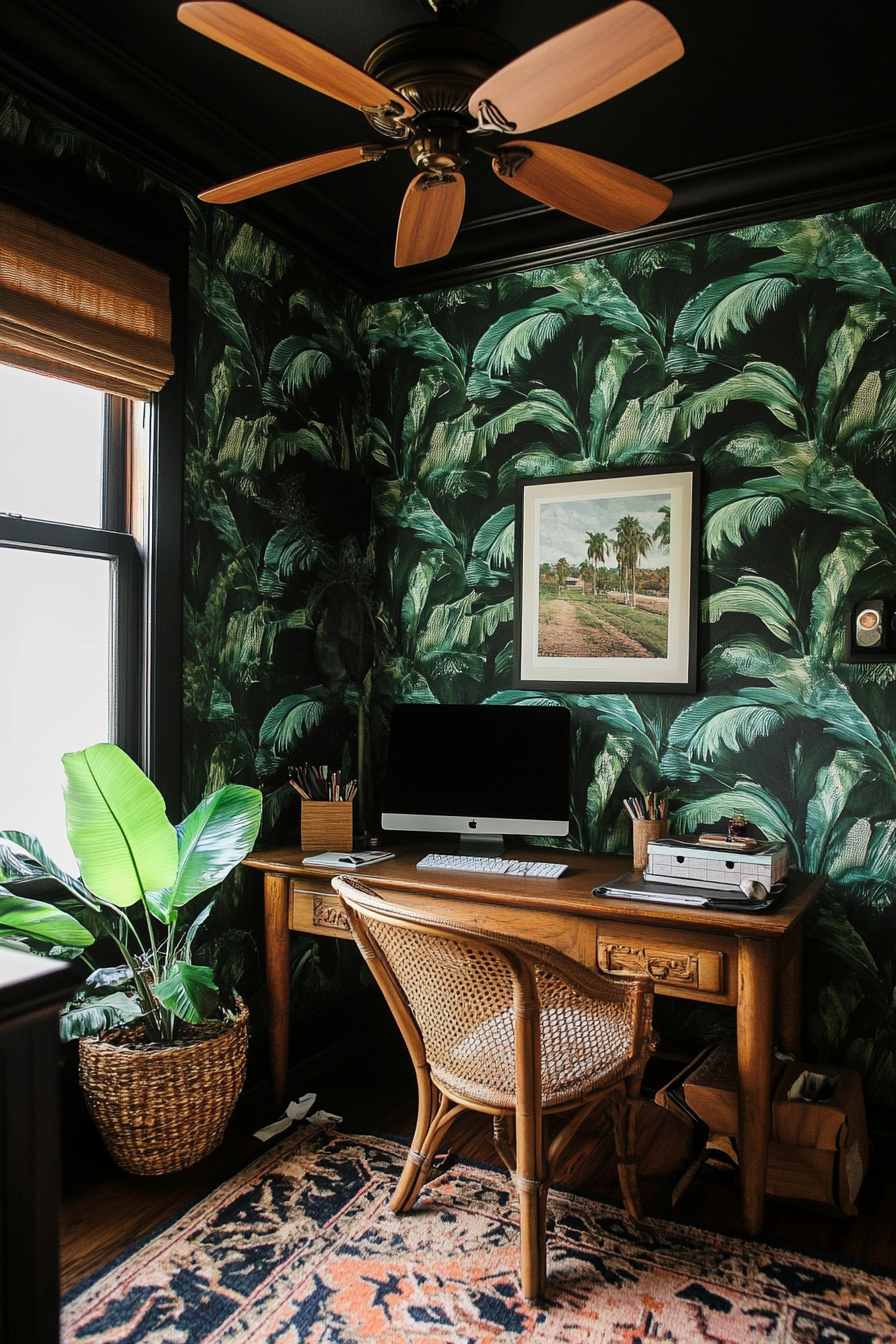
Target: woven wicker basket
point(162, 1108)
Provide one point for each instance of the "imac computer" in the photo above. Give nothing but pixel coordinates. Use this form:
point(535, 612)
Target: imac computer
point(478, 772)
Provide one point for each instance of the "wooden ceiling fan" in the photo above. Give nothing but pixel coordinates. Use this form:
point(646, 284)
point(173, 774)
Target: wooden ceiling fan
point(436, 89)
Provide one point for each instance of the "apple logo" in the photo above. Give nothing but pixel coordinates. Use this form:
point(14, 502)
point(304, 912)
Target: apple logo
point(472, 825)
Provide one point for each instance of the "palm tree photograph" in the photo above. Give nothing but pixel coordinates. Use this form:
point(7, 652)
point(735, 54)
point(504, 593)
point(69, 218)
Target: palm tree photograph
point(609, 558)
point(612, 599)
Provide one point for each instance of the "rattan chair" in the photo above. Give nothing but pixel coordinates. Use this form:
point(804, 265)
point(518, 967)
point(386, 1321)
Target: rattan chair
point(511, 1028)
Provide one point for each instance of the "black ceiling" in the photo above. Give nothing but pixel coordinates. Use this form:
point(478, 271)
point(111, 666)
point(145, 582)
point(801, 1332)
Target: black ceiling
point(778, 107)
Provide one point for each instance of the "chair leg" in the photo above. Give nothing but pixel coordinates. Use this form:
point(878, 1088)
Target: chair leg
point(427, 1101)
point(531, 1184)
point(502, 1139)
point(533, 1238)
point(420, 1157)
point(624, 1131)
point(532, 1196)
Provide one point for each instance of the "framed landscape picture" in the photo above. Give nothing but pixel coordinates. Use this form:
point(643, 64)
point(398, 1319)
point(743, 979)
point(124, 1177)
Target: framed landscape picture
point(606, 582)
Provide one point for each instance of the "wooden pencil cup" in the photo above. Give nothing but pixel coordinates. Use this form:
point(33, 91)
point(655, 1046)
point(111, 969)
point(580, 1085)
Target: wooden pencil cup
point(326, 826)
point(642, 832)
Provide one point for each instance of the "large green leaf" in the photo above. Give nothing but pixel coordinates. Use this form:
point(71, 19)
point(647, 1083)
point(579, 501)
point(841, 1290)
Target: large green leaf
point(618, 714)
point(813, 689)
point(418, 514)
point(834, 784)
point(844, 347)
point(769, 384)
point(495, 538)
point(214, 838)
point(515, 337)
point(196, 926)
point(491, 616)
point(297, 363)
point(42, 921)
point(293, 717)
point(28, 858)
point(836, 574)
point(760, 597)
point(537, 460)
point(737, 301)
point(643, 433)
point(117, 826)
point(92, 1016)
point(613, 758)
point(542, 407)
point(189, 992)
point(450, 627)
point(735, 516)
point(724, 723)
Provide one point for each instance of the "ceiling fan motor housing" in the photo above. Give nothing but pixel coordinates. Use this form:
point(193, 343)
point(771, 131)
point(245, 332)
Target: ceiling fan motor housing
point(438, 144)
point(436, 66)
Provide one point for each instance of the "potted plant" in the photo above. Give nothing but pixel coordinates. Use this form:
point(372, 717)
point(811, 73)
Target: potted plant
point(161, 1055)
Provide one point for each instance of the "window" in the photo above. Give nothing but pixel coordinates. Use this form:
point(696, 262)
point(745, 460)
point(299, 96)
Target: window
point(90, 495)
point(70, 588)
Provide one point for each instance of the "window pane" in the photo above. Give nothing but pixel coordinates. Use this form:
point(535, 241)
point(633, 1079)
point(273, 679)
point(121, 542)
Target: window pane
point(54, 682)
point(51, 448)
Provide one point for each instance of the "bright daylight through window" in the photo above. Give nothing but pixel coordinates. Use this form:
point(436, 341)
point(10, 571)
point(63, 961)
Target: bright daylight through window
point(67, 574)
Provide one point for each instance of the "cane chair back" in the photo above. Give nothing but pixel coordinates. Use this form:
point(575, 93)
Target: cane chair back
point(513, 1028)
point(461, 993)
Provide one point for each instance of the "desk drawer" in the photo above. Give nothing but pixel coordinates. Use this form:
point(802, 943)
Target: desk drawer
point(681, 964)
point(314, 907)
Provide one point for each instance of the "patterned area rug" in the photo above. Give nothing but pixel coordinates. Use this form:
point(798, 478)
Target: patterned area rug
point(300, 1248)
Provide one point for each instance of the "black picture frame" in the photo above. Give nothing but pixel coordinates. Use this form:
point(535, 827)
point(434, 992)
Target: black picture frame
point(622, 637)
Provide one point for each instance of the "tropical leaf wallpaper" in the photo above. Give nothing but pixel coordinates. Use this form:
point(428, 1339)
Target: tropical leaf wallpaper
point(768, 355)
point(350, 479)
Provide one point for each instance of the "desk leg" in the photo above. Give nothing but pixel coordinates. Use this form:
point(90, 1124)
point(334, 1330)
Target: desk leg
point(755, 1015)
point(790, 1001)
point(276, 938)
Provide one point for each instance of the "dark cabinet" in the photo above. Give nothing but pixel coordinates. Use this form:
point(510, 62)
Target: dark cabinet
point(32, 989)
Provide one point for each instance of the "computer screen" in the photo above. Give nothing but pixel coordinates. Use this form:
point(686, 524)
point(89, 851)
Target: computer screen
point(478, 771)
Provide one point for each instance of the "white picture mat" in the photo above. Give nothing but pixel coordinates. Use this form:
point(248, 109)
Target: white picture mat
point(647, 671)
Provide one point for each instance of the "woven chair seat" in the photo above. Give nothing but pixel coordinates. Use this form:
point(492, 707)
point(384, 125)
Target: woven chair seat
point(573, 1063)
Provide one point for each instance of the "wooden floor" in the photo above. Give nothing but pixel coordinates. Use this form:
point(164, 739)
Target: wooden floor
point(105, 1210)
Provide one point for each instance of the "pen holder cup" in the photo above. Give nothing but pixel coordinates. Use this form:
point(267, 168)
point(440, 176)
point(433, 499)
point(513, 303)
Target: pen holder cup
point(642, 832)
point(326, 826)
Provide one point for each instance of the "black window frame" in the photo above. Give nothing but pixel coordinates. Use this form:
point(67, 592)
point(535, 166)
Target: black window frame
point(156, 232)
point(120, 548)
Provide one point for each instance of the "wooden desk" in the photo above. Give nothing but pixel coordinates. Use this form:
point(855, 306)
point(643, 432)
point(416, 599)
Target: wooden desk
point(750, 962)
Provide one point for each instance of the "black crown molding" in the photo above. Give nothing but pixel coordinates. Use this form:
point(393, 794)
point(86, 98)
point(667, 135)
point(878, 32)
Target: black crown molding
point(828, 174)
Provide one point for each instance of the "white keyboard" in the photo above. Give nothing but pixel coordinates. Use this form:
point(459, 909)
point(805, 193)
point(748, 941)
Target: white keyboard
point(475, 863)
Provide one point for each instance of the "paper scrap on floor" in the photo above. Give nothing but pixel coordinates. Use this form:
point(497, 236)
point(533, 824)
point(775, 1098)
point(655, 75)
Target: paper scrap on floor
point(295, 1111)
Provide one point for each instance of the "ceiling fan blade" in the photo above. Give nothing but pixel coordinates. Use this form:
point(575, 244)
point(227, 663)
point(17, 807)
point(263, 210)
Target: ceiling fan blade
point(290, 55)
point(430, 218)
point(241, 188)
point(577, 69)
point(592, 189)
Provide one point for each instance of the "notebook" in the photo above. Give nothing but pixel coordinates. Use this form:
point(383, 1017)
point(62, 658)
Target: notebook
point(348, 859)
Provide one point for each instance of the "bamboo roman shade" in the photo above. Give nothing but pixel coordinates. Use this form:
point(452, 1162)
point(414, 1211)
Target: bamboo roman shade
point(75, 310)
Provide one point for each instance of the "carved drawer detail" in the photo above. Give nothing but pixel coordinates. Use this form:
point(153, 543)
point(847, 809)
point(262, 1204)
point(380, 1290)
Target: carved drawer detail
point(326, 914)
point(681, 967)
